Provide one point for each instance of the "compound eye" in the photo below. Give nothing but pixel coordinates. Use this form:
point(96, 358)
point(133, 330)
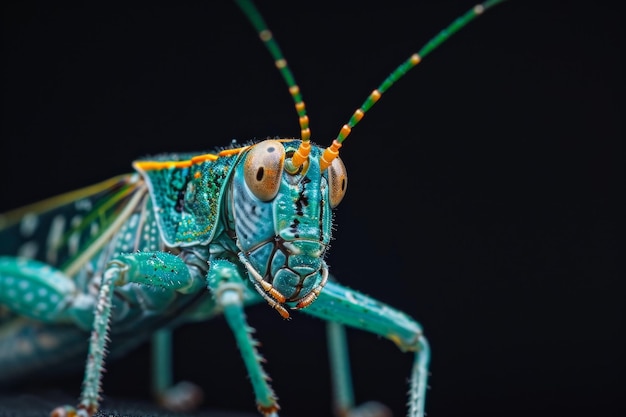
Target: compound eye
point(338, 181)
point(263, 169)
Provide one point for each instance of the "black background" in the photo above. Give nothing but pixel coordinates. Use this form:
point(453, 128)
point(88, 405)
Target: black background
point(484, 188)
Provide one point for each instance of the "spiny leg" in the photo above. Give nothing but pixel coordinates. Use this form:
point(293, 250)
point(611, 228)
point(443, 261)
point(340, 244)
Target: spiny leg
point(348, 307)
point(157, 269)
point(229, 290)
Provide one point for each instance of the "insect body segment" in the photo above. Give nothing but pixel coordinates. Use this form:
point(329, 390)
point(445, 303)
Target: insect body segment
point(186, 238)
point(183, 191)
point(283, 240)
point(280, 219)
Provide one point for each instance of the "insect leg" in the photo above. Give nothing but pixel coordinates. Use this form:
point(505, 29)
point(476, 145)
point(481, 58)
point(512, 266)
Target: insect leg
point(345, 306)
point(183, 396)
point(43, 295)
point(343, 395)
point(34, 289)
point(157, 269)
point(229, 289)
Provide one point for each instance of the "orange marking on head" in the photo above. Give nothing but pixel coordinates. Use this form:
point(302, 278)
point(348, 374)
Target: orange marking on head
point(198, 159)
point(197, 174)
point(151, 165)
point(201, 158)
point(234, 151)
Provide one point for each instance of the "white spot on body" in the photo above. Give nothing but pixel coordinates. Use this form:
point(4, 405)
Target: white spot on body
point(73, 243)
point(74, 240)
point(84, 204)
point(54, 238)
point(132, 222)
point(29, 224)
point(28, 249)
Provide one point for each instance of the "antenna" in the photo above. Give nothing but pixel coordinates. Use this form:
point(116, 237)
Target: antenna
point(332, 151)
point(272, 46)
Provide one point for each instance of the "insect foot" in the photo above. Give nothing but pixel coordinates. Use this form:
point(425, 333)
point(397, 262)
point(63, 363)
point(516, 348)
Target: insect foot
point(184, 396)
point(368, 409)
point(69, 411)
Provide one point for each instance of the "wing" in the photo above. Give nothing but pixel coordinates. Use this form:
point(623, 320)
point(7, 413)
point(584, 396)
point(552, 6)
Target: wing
point(57, 230)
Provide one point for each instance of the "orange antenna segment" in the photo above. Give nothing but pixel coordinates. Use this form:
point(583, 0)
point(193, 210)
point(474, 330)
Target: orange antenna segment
point(329, 154)
point(266, 36)
point(402, 69)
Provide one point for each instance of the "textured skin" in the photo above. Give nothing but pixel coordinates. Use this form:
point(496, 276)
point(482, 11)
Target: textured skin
point(27, 346)
point(137, 253)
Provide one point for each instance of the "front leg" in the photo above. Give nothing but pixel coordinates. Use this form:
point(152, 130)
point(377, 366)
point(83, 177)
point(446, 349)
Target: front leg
point(158, 269)
point(348, 307)
point(229, 289)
